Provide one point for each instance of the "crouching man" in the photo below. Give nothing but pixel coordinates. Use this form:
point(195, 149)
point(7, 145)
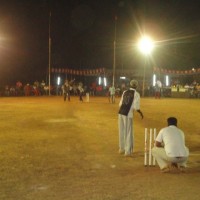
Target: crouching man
point(170, 150)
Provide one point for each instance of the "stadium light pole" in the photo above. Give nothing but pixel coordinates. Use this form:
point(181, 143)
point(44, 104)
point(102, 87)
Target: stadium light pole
point(145, 46)
point(49, 53)
point(114, 53)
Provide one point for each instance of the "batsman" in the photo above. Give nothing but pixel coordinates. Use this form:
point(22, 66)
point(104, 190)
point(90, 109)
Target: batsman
point(129, 102)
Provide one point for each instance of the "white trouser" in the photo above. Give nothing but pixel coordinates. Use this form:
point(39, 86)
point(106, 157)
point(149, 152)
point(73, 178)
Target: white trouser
point(163, 160)
point(112, 98)
point(125, 134)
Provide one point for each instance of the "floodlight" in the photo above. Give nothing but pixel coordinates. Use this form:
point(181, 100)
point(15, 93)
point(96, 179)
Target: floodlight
point(145, 45)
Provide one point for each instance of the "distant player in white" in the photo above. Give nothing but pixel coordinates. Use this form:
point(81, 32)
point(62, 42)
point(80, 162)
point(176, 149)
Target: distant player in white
point(112, 93)
point(158, 87)
point(81, 91)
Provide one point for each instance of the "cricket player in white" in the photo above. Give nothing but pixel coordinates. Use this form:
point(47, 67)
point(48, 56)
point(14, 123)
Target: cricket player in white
point(112, 94)
point(170, 150)
point(130, 102)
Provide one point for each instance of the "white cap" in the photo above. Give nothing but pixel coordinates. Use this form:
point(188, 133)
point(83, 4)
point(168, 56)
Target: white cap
point(133, 83)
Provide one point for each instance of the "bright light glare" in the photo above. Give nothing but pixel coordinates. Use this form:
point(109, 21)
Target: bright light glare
point(146, 45)
point(99, 80)
point(154, 80)
point(58, 81)
point(167, 80)
point(122, 77)
point(105, 81)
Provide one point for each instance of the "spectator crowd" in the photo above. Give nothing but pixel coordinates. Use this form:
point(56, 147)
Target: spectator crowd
point(42, 89)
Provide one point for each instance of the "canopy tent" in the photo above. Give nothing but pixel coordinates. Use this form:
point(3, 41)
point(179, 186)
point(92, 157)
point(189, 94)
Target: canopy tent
point(177, 72)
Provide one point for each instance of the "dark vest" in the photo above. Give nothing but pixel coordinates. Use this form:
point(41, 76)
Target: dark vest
point(126, 102)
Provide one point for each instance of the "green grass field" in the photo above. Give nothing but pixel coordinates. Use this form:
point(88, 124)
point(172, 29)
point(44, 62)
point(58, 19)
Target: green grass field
point(56, 150)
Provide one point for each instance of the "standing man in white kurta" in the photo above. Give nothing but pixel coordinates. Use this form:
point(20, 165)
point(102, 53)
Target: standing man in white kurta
point(170, 150)
point(130, 102)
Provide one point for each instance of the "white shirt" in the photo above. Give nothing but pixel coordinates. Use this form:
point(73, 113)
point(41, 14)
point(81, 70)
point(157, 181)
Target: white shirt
point(174, 141)
point(135, 104)
point(80, 89)
point(112, 90)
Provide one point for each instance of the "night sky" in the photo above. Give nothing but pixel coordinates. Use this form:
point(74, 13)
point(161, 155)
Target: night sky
point(82, 34)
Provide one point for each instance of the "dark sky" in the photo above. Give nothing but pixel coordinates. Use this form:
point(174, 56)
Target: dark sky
point(82, 34)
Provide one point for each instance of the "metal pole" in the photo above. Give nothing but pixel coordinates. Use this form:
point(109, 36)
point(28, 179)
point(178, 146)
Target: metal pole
point(143, 84)
point(114, 55)
point(49, 53)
